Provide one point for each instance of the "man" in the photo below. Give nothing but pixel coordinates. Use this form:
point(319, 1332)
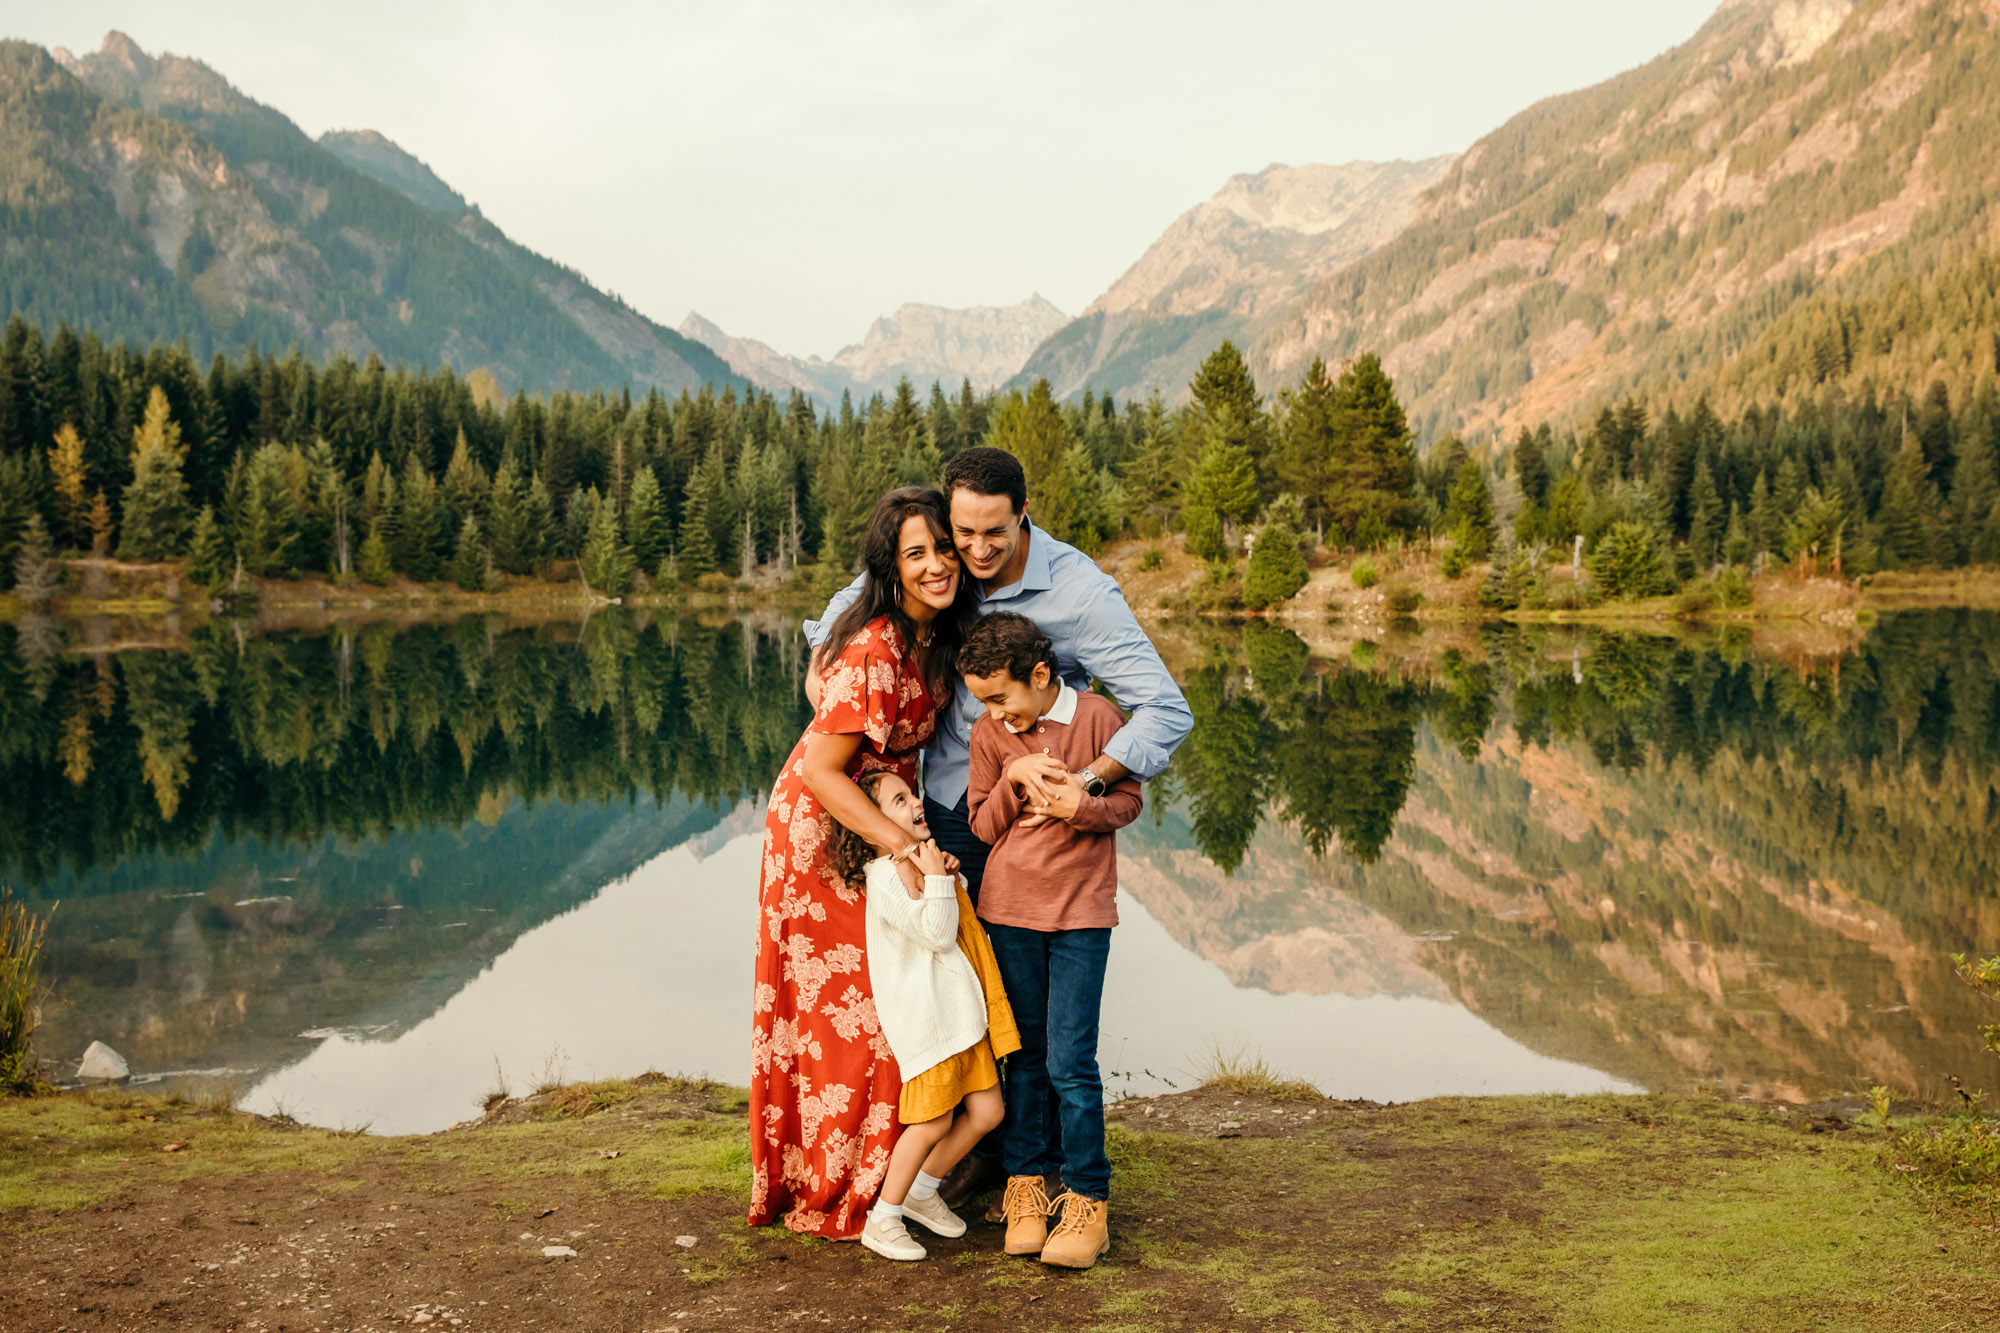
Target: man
point(1016, 566)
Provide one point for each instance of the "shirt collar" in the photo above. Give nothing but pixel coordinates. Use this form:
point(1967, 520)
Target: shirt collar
point(1035, 576)
point(1063, 710)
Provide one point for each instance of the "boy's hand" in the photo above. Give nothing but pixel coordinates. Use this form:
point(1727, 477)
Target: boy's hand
point(1063, 802)
point(1038, 776)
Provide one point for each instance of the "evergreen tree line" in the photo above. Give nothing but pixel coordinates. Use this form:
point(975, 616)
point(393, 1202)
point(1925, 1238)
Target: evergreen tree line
point(1331, 751)
point(288, 738)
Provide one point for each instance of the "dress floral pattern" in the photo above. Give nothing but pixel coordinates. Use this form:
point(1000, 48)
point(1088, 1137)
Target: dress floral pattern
point(823, 1085)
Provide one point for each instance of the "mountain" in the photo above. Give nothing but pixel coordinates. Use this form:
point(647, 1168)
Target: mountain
point(148, 199)
point(1255, 248)
point(924, 343)
point(1803, 193)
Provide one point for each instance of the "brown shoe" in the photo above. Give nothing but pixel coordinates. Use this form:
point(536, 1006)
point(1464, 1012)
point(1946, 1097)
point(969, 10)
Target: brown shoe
point(971, 1177)
point(1083, 1234)
point(1027, 1206)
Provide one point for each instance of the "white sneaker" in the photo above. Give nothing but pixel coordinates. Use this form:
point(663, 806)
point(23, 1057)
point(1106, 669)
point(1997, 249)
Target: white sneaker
point(935, 1214)
point(889, 1238)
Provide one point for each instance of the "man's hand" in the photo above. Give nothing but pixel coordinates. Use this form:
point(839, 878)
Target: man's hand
point(1063, 802)
point(1038, 776)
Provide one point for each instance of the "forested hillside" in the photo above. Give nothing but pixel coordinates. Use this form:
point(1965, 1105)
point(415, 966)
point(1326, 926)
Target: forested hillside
point(1800, 197)
point(148, 200)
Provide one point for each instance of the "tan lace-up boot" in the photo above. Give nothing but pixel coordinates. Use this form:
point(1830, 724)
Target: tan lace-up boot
point(1027, 1207)
point(1083, 1234)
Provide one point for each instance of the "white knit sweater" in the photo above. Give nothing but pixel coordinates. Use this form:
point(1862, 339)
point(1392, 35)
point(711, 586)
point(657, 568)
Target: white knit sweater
point(927, 996)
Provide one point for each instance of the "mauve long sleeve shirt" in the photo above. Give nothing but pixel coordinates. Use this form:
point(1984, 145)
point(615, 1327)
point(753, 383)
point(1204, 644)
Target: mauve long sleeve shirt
point(1060, 874)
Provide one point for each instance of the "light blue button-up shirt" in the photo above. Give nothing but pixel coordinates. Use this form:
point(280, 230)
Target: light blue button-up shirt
point(1083, 611)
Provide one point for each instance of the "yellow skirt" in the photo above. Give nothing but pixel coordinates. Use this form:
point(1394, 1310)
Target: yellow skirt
point(938, 1090)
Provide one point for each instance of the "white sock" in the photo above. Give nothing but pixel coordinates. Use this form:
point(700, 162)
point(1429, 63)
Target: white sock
point(884, 1210)
point(926, 1187)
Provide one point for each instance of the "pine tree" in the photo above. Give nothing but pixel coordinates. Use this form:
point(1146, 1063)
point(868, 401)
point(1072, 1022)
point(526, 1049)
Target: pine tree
point(265, 532)
point(1222, 389)
point(374, 563)
point(1306, 442)
point(1908, 512)
point(1469, 513)
point(508, 521)
point(1032, 428)
point(1975, 499)
point(1150, 477)
point(1223, 490)
point(1704, 516)
point(646, 520)
point(100, 525)
point(1374, 461)
point(468, 564)
point(1736, 541)
point(37, 574)
point(156, 502)
point(1763, 523)
point(1531, 467)
point(465, 490)
point(607, 561)
point(414, 541)
point(209, 556)
point(68, 475)
point(538, 525)
point(696, 553)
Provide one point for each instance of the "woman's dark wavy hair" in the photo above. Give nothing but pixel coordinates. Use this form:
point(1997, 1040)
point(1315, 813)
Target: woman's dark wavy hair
point(847, 850)
point(882, 591)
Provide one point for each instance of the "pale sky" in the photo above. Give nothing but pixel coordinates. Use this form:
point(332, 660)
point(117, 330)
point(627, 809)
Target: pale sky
point(793, 170)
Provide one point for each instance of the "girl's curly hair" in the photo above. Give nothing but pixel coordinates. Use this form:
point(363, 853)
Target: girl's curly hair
point(849, 852)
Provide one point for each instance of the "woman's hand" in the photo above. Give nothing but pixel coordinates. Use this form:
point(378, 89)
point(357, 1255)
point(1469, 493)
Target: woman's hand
point(928, 858)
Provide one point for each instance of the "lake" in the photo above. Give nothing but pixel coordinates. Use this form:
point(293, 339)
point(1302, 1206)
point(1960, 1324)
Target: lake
point(368, 874)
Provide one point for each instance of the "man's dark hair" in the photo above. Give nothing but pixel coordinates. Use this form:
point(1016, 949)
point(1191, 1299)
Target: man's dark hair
point(1006, 641)
point(984, 470)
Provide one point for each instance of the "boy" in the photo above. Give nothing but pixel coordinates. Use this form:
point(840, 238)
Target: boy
point(1049, 903)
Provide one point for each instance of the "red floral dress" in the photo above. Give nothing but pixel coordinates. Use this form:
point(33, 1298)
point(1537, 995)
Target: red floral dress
point(823, 1085)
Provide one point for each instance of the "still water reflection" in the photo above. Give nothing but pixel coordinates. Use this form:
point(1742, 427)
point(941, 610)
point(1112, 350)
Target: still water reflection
point(369, 874)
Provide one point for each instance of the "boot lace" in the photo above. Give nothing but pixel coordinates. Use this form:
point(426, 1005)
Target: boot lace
point(1025, 1197)
point(1078, 1212)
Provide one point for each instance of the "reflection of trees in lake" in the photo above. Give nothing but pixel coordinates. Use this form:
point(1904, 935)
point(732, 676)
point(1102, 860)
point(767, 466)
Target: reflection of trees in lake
point(252, 838)
point(360, 732)
point(1671, 860)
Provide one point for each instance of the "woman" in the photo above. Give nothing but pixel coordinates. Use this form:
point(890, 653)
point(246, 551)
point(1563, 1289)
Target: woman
point(823, 1086)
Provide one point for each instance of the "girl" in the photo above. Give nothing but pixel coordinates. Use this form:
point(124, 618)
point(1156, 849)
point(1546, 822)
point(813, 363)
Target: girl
point(942, 1009)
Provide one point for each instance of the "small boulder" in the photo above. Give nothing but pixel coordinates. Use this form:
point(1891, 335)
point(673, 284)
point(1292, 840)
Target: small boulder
point(101, 1062)
point(558, 1252)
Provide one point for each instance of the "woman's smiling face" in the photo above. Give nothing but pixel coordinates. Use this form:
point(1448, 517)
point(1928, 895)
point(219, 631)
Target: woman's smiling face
point(927, 568)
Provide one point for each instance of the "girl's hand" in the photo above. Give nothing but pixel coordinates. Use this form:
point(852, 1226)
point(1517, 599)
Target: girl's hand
point(928, 858)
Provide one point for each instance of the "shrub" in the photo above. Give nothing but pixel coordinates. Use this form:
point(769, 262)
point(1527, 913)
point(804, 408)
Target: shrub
point(1454, 562)
point(1152, 559)
point(1513, 581)
point(21, 934)
point(1404, 598)
point(1630, 562)
point(1732, 585)
point(1276, 570)
point(1364, 573)
point(1959, 1154)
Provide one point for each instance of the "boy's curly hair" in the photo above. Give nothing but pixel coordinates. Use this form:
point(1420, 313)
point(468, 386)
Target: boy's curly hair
point(849, 852)
point(1006, 641)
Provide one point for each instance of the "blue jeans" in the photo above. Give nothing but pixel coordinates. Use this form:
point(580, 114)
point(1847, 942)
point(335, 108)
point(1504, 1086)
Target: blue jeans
point(952, 829)
point(1055, 981)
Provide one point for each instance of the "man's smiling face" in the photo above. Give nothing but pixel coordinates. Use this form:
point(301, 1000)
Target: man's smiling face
point(986, 531)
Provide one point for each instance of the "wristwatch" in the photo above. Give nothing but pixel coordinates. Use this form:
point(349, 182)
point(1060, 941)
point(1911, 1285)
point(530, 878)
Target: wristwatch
point(1091, 782)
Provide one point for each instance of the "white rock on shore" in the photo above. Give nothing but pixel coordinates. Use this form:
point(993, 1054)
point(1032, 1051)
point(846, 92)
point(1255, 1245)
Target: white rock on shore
point(101, 1062)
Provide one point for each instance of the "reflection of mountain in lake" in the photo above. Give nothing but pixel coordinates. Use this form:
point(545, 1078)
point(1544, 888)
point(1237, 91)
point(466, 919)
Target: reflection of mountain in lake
point(339, 830)
point(1671, 864)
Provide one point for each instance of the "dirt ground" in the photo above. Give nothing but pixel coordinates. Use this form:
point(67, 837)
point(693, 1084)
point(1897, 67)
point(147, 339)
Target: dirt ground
point(1231, 1209)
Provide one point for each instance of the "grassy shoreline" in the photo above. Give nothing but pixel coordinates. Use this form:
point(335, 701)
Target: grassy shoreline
point(1231, 1207)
